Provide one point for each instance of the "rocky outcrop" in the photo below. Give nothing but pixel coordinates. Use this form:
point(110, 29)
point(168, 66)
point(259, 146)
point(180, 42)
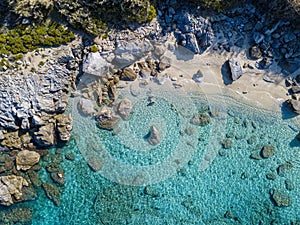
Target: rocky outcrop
point(30, 101)
point(11, 188)
point(235, 69)
point(153, 136)
point(26, 159)
point(124, 108)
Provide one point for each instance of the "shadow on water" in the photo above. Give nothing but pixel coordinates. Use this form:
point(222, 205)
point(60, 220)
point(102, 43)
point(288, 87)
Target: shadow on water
point(294, 143)
point(287, 112)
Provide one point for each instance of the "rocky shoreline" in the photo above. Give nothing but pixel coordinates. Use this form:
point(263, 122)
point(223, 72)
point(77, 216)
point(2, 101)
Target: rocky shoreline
point(33, 103)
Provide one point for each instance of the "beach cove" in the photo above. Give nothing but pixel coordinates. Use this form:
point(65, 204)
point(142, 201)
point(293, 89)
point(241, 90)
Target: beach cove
point(188, 118)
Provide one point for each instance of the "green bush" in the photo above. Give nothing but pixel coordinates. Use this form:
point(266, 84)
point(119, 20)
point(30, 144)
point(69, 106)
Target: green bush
point(94, 48)
point(23, 39)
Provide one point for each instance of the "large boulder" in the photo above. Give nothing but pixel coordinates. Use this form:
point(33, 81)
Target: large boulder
point(127, 53)
point(153, 136)
point(45, 136)
point(26, 159)
point(94, 64)
point(64, 127)
point(235, 69)
point(11, 187)
point(106, 120)
point(124, 108)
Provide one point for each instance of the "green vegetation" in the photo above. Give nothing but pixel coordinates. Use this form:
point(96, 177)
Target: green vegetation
point(23, 38)
point(18, 56)
point(94, 48)
point(218, 5)
point(41, 63)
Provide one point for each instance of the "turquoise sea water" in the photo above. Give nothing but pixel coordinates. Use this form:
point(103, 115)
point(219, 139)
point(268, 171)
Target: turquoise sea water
point(147, 188)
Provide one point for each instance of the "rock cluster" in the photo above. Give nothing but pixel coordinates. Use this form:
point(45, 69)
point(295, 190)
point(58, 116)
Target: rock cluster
point(11, 187)
point(294, 90)
point(30, 102)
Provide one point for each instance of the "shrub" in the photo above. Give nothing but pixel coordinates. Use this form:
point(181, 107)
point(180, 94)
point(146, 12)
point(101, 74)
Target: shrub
point(23, 39)
point(94, 48)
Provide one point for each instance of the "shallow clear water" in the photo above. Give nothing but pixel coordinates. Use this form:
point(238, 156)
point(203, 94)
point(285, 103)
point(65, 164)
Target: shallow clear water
point(162, 192)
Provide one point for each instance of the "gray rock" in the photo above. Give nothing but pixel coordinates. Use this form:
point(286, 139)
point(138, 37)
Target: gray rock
point(280, 198)
point(197, 76)
point(192, 43)
point(124, 108)
point(154, 136)
point(127, 53)
point(95, 64)
point(235, 68)
point(288, 37)
point(258, 37)
point(11, 188)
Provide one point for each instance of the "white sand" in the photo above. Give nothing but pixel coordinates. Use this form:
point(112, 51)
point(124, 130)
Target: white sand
point(250, 88)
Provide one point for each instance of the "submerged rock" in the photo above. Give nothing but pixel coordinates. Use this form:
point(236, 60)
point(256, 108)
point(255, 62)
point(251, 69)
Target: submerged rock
point(235, 69)
point(52, 193)
point(26, 159)
point(106, 120)
point(201, 119)
point(86, 106)
point(267, 151)
point(226, 143)
point(154, 136)
point(280, 198)
point(16, 216)
point(124, 108)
